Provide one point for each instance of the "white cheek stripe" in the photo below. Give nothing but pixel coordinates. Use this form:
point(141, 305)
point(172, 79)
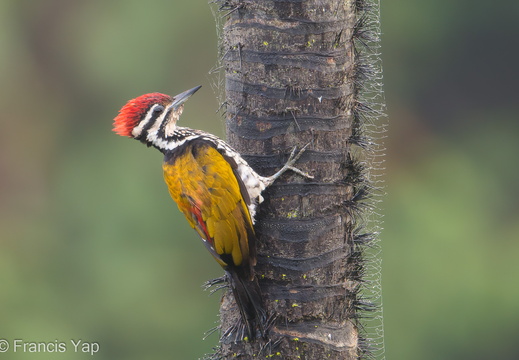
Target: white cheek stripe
point(156, 125)
point(137, 131)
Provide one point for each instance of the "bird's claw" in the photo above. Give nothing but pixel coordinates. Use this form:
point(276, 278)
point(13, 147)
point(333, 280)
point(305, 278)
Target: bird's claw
point(294, 156)
point(289, 165)
point(300, 172)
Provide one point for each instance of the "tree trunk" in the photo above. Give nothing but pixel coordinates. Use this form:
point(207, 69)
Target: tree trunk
point(293, 75)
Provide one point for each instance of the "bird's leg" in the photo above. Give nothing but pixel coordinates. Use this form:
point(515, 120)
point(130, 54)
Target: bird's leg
point(289, 165)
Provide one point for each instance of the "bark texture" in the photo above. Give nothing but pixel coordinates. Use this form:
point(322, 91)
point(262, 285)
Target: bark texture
point(292, 77)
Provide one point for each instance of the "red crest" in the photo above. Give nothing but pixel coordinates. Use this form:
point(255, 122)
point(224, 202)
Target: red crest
point(131, 113)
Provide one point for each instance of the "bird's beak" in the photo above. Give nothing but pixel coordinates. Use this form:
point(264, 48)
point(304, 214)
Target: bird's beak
point(182, 97)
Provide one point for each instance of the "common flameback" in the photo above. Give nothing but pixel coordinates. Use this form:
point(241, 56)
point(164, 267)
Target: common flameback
point(214, 188)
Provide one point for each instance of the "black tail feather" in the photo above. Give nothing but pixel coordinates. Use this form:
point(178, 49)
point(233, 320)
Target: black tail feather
point(247, 295)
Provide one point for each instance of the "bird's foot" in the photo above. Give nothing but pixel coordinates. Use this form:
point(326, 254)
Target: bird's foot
point(289, 165)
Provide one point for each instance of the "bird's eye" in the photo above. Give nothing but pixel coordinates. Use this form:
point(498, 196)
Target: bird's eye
point(158, 108)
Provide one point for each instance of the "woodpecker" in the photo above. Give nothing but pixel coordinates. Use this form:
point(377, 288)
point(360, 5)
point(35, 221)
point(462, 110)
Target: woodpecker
point(212, 185)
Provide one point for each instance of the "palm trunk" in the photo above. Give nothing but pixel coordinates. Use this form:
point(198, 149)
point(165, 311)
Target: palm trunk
point(293, 75)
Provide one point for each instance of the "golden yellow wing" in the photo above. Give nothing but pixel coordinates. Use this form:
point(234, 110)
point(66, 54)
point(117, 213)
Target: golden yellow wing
point(208, 192)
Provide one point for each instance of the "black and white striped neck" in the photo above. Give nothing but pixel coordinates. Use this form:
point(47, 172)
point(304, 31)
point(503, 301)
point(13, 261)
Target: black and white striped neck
point(168, 142)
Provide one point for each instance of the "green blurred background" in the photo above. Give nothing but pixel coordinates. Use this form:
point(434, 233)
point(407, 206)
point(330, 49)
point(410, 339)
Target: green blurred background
point(92, 248)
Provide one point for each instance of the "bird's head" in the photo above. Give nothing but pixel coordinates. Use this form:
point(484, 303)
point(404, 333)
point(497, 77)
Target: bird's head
point(151, 118)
